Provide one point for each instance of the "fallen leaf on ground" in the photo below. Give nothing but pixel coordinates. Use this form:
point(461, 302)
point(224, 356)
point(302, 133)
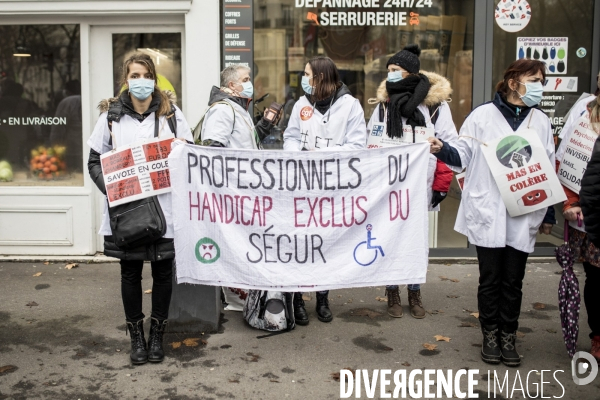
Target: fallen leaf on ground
point(452, 296)
point(443, 278)
point(46, 263)
point(539, 306)
point(441, 338)
point(32, 304)
point(193, 342)
point(551, 330)
point(251, 357)
point(447, 265)
point(7, 369)
point(475, 314)
point(467, 325)
point(406, 364)
point(365, 312)
point(37, 274)
point(275, 381)
point(306, 297)
point(454, 280)
point(520, 334)
point(176, 345)
point(233, 381)
point(379, 298)
point(336, 375)
point(71, 266)
point(148, 291)
point(430, 346)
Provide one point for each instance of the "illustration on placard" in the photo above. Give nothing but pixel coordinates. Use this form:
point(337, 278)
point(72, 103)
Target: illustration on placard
point(551, 50)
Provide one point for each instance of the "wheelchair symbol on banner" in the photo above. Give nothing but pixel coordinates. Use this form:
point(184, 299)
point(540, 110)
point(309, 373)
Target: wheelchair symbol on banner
point(362, 254)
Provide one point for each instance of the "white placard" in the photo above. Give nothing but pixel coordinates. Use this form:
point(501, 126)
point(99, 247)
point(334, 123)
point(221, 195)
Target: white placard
point(137, 171)
point(580, 144)
point(379, 138)
point(525, 177)
point(300, 220)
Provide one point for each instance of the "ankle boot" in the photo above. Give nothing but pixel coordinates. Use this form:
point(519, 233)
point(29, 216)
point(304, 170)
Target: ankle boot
point(323, 311)
point(595, 351)
point(155, 347)
point(300, 314)
point(510, 357)
point(139, 354)
point(490, 349)
point(416, 306)
point(394, 305)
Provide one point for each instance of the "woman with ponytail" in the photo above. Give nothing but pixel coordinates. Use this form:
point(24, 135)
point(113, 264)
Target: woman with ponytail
point(584, 206)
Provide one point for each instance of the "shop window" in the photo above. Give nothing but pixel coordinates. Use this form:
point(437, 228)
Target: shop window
point(40, 106)
point(360, 46)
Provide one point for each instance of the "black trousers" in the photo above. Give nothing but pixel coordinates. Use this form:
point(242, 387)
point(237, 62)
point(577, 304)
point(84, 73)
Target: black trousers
point(499, 295)
point(131, 288)
point(591, 297)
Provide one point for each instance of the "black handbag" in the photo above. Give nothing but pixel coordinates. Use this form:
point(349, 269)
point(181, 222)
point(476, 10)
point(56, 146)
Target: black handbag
point(137, 223)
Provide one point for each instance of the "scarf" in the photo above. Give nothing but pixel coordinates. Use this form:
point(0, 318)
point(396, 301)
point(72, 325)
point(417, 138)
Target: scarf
point(403, 99)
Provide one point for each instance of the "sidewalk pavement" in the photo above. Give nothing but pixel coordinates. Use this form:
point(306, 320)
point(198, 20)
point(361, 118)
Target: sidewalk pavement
point(62, 336)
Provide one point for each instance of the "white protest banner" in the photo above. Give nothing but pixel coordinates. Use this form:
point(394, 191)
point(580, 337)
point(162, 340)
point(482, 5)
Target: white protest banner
point(300, 221)
point(580, 143)
point(137, 171)
point(525, 177)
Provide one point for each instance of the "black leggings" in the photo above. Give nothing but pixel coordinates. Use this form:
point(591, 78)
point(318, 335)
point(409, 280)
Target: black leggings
point(591, 297)
point(131, 288)
point(499, 295)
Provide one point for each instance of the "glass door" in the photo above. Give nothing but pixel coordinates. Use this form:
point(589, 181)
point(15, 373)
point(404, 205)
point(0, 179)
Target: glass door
point(111, 46)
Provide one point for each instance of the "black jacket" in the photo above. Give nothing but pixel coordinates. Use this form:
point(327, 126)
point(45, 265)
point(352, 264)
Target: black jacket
point(162, 249)
point(589, 196)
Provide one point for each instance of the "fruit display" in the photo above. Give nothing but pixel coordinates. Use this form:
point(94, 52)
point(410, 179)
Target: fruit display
point(6, 172)
point(47, 162)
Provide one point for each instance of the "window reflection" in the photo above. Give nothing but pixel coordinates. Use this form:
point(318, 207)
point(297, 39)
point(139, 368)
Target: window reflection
point(40, 105)
point(286, 36)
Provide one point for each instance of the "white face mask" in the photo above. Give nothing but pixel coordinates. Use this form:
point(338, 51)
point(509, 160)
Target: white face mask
point(394, 76)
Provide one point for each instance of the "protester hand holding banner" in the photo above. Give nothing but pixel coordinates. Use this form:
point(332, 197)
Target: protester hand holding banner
point(525, 177)
point(295, 221)
point(578, 152)
point(137, 171)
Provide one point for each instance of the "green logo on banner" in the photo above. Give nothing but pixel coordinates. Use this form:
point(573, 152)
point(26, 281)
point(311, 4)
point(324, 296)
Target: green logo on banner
point(207, 251)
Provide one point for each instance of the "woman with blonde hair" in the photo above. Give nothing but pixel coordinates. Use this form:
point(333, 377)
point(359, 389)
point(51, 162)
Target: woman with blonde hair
point(140, 112)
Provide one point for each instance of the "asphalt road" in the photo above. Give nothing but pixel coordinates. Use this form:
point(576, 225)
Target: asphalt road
point(62, 336)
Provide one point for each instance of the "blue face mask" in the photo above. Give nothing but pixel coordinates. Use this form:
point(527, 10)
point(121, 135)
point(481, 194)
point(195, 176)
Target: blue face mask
point(247, 89)
point(305, 85)
point(394, 76)
point(533, 93)
point(141, 88)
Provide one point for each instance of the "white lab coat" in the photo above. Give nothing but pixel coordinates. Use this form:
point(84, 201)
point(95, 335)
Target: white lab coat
point(342, 126)
point(482, 216)
point(127, 131)
point(219, 126)
point(444, 130)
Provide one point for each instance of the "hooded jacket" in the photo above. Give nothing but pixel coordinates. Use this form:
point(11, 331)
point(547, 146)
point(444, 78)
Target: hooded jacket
point(439, 174)
point(231, 126)
point(129, 127)
point(340, 126)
